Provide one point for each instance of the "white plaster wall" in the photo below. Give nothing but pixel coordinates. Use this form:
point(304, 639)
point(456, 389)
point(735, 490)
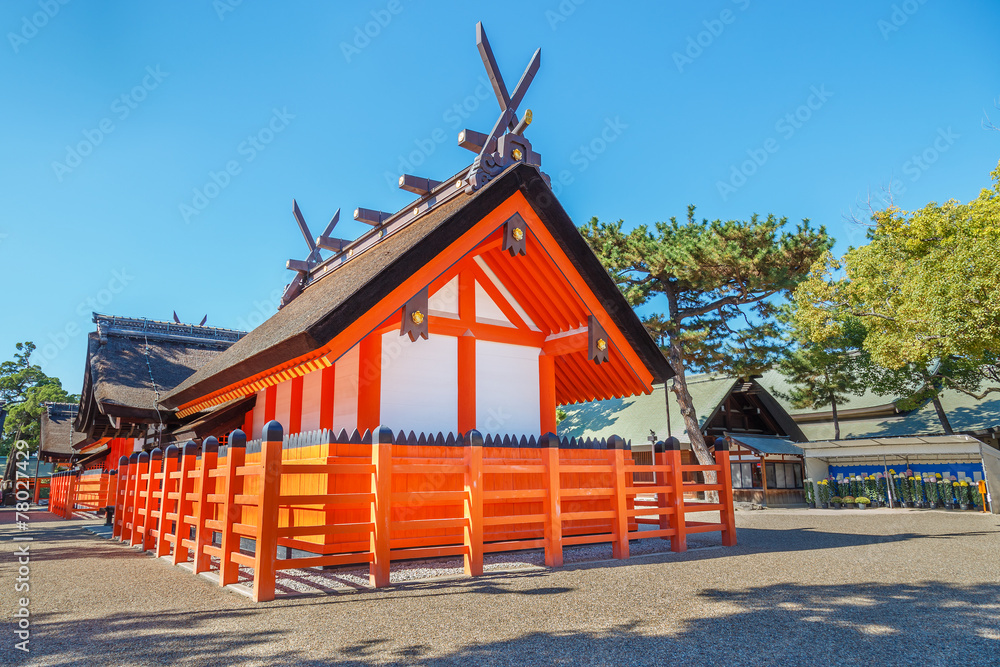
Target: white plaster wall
point(487, 310)
point(507, 399)
point(258, 417)
point(312, 384)
point(444, 302)
point(419, 383)
point(345, 398)
point(283, 404)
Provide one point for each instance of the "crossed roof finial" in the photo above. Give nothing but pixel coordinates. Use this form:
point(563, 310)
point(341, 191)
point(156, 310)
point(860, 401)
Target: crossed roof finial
point(304, 268)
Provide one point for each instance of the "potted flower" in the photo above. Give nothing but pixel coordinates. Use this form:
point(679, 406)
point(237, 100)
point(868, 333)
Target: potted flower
point(863, 502)
point(946, 492)
point(931, 488)
point(882, 489)
point(871, 488)
point(810, 493)
point(847, 501)
point(976, 496)
point(823, 492)
point(917, 490)
point(835, 502)
point(963, 494)
point(906, 491)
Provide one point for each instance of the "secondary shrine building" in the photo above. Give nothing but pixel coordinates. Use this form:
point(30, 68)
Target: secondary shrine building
point(481, 310)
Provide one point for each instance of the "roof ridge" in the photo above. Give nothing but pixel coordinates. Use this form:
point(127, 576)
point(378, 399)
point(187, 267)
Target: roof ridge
point(141, 327)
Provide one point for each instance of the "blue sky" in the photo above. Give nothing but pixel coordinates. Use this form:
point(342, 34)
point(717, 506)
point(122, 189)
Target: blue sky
point(118, 115)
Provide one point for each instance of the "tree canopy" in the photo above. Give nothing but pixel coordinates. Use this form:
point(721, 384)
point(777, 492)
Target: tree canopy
point(719, 282)
point(24, 389)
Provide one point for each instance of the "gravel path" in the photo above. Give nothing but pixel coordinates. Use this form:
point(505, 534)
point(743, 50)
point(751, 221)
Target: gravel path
point(834, 587)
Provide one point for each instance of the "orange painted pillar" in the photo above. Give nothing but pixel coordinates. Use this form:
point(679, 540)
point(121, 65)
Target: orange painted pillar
point(473, 503)
point(381, 489)
point(328, 387)
point(121, 497)
point(37, 495)
point(171, 464)
point(369, 382)
point(152, 486)
point(661, 479)
point(206, 483)
point(270, 403)
point(229, 571)
point(547, 393)
point(619, 501)
point(295, 406)
point(74, 479)
point(266, 550)
point(139, 506)
point(553, 501)
point(727, 514)
point(185, 504)
point(466, 383)
point(677, 520)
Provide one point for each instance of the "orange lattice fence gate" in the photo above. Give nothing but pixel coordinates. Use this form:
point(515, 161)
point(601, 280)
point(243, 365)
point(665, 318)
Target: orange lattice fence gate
point(378, 498)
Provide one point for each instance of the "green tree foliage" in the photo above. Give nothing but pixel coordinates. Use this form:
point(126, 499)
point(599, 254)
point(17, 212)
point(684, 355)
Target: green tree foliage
point(927, 287)
point(719, 282)
point(823, 373)
point(24, 388)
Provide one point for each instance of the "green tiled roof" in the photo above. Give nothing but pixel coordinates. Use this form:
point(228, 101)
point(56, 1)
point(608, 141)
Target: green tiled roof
point(632, 418)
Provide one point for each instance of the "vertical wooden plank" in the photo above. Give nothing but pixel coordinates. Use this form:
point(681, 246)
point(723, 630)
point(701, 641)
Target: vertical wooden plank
point(171, 464)
point(370, 382)
point(620, 546)
point(553, 501)
point(139, 502)
point(295, 406)
point(155, 467)
point(328, 387)
point(677, 520)
point(121, 497)
point(270, 402)
point(547, 393)
point(185, 506)
point(727, 514)
point(206, 483)
point(466, 383)
point(266, 550)
point(229, 572)
point(381, 488)
point(661, 479)
point(473, 503)
point(248, 420)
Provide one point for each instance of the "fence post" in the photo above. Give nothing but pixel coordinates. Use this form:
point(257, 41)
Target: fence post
point(229, 571)
point(185, 487)
point(37, 494)
point(74, 477)
point(381, 489)
point(139, 502)
point(266, 551)
point(473, 503)
point(202, 533)
point(553, 501)
point(171, 464)
point(661, 479)
point(155, 467)
point(727, 513)
point(111, 499)
point(121, 489)
point(619, 548)
point(677, 521)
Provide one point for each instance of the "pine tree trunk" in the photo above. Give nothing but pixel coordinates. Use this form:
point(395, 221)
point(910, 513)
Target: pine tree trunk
point(942, 417)
point(698, 446)
point(836, 420)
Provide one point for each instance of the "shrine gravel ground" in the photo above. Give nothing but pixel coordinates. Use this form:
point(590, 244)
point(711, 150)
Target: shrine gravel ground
point(803, 587)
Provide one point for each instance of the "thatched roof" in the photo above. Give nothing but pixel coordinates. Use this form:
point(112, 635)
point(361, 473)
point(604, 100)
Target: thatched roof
point(57, 434)
point(340, 297)
point(132, 363)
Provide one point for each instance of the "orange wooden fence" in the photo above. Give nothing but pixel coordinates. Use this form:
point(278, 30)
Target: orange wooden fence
point(346, 500)
point(74, 491)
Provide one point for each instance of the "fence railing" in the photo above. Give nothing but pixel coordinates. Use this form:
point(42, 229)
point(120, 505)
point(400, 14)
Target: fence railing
point(375, 498)
point(74, 491)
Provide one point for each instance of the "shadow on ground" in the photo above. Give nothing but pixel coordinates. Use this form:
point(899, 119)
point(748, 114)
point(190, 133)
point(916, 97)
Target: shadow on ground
point(928, 623)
